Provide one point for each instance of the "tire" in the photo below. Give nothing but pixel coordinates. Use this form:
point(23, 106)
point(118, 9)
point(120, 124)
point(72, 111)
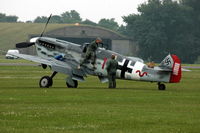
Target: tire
point(75, 84)
point(161, 87)
point(45, 82)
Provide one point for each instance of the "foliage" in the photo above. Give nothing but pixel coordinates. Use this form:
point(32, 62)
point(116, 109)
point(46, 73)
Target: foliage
point(74, 17)
point(122, 30)
point(29, 21)
point(42, 19)
point(194, 25)
point(4, 18)
point(66, 17)
point(88, 22)
point(109, 23)
point(71, 17)
point(56, 19)
point(162, 27)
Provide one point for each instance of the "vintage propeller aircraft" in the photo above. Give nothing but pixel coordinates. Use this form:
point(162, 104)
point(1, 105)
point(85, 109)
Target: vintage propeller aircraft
point(64, 57)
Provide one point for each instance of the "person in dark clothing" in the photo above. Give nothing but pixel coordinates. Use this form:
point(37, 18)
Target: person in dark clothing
point(90, 53)
point(111, 67)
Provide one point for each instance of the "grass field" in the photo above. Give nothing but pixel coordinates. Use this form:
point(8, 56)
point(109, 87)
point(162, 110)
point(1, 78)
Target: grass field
point(134, 107)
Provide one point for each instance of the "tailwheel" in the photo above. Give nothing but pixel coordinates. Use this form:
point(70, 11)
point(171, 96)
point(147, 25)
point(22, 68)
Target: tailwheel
point(161, 86)
point(46, 82)
point(73, 84)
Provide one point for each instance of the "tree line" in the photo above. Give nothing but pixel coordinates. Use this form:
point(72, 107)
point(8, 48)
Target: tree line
point(74, 17)
point(69, 17)
point(159, 28)
point(5, 18)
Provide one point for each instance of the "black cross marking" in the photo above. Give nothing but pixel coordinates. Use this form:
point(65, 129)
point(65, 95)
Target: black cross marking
point(124, 68)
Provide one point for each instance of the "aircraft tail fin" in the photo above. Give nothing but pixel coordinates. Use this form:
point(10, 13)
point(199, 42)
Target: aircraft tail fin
point(173, 63)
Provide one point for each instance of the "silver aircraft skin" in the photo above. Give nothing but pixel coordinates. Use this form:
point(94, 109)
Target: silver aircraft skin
point(64, 57)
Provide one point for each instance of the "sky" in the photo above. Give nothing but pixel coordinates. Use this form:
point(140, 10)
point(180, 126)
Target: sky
point(93, 10)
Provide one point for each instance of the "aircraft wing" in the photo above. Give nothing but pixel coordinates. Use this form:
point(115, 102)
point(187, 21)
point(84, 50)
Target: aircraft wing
point(56, 65)
point(163, 69)
point(33, 58)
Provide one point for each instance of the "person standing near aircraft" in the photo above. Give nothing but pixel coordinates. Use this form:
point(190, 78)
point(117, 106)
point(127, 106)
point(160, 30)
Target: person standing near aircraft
point(91, 52)
point(111, 67)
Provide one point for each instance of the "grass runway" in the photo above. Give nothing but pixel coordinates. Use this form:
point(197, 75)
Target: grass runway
point(134, 107)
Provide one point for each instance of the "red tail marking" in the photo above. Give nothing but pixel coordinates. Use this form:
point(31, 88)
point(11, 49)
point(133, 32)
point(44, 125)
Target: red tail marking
point(176, 70)
point(104, 62)
point(141, 74)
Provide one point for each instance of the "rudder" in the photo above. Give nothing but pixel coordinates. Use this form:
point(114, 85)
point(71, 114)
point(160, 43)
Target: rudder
point(173, 63)
point(176, 70)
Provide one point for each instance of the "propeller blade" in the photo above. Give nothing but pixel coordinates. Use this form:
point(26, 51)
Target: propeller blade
point(24, 44)
point(45, 26)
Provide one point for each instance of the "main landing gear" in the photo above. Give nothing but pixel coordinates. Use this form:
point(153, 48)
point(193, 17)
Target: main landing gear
point(74, 85)
point(47, 81)
point(71, 83)
point(161, 86)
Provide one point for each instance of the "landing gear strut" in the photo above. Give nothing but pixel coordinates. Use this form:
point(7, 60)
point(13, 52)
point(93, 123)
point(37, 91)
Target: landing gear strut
point(161, 86)
point(46, 81)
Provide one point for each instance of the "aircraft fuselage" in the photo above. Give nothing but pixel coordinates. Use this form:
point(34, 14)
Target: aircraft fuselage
point(128, 69)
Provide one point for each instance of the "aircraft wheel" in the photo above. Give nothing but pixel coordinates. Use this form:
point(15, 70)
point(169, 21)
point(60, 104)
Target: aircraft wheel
point(71, 86)
point(45, 82)
point(161, 86)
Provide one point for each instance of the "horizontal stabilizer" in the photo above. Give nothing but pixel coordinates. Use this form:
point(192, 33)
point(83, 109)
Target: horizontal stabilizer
point(163, 69)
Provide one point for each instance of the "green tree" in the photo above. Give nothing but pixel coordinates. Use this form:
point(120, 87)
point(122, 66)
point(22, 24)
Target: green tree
point(160, 28)
point(71, 17)
point(56, 19)
point(122, 30)
point(29, 21)
point(89, 22)
point(4, 18)
point(42, 19)
point(109, 23)
point(194, 29)
point(11, 18)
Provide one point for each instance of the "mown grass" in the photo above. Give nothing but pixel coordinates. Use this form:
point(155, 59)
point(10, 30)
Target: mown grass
point(134, 107)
